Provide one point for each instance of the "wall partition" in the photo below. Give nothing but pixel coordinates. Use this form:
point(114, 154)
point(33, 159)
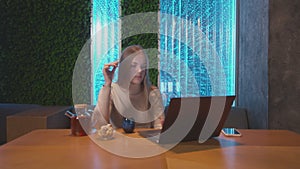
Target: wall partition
point(105, 36)
point(197, 46)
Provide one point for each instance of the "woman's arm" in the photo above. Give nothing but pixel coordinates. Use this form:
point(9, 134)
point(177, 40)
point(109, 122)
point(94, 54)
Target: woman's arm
point(156, 101)
point(101, 113)
point(102, 110)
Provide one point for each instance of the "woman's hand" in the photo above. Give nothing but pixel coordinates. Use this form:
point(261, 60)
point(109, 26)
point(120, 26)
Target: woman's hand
point(109, 74)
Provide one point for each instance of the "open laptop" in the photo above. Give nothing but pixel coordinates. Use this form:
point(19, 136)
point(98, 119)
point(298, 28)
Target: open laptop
point(192, 119)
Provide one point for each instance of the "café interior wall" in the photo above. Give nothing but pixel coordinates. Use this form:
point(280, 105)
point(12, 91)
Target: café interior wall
point(39, 44)
point(268, 76)
point(284, 70)
point(253, 61)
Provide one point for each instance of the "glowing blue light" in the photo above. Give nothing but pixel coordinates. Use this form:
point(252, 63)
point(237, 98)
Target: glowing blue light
point(105, 39)
point(206, 29)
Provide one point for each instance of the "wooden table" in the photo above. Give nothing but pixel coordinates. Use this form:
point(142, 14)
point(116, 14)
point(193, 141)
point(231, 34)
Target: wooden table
point(56, 149)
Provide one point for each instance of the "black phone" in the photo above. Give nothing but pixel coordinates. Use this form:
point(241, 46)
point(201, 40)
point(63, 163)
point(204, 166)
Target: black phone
point(231, 132)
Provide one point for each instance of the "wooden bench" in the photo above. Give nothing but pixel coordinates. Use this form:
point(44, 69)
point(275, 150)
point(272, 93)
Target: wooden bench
point(43, 117)
point(7, 109)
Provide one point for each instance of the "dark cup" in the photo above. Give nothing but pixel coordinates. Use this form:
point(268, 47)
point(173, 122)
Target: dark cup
point(128, 125)
point(76, 128)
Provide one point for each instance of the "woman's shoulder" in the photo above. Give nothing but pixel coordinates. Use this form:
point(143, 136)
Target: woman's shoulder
point(154, 90)
point(153, 87)
point(115, 85)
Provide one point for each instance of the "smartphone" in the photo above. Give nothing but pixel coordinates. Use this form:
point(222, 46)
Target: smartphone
point(231, 132)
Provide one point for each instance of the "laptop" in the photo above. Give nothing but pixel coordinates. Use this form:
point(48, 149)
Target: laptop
point(192, 119)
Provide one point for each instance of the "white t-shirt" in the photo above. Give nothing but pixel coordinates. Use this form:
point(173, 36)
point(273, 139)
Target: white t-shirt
point(120, 106)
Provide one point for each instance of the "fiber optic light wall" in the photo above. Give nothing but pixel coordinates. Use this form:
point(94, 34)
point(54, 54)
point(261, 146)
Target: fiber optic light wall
point(104, 40)
point(197, 47)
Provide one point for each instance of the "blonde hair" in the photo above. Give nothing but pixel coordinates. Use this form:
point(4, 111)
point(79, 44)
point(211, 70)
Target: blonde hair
point(128, 54)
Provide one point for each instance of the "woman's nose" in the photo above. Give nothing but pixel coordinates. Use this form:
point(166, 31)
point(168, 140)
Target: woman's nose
point(139, 69)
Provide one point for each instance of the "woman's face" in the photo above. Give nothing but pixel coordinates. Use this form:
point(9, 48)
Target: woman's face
point(138, 69)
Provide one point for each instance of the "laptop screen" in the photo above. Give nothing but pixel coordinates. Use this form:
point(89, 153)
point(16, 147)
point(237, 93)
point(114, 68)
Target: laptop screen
point(195, 118)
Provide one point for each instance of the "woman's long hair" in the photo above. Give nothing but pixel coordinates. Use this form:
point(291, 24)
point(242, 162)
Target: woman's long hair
point(124, 78)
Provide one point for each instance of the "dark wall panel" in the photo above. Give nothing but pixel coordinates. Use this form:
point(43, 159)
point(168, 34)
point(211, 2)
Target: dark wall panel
point(253, 61)
point(284, 65)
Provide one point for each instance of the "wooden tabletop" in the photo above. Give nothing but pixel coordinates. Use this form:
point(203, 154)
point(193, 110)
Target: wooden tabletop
point(56, 148)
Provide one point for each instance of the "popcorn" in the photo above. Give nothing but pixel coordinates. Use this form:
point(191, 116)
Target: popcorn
point(106, 132)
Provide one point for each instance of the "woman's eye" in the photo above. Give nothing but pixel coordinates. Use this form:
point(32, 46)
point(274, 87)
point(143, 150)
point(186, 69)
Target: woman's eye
point(143, 67)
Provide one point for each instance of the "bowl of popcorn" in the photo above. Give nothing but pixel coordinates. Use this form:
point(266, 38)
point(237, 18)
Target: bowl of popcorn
point(106, 132)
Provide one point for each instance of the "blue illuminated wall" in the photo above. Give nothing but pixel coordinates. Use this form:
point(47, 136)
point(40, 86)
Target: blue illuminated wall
point(104, 39)
point(197, 47)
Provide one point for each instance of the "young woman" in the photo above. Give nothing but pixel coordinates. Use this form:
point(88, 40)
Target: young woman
point(132, 96)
